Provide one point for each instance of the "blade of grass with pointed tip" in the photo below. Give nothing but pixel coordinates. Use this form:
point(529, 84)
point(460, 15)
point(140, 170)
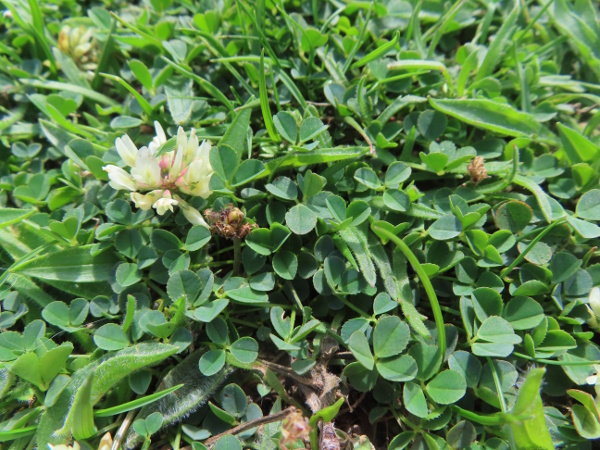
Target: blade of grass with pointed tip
point(264, 100)
point(134, 404)
point(208, 87)
point(146, 107)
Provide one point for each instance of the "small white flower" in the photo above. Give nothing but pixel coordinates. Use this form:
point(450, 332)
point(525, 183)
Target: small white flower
point(127, 150)
point(146, 201)
point(147, 170)
point(120, 180)
point(164, 204)
point(159, 139)
point(191, 214)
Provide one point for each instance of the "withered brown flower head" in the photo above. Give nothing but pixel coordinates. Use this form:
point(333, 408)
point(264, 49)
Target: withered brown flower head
point(228, 222)
point(295, 427)
point(477, 170)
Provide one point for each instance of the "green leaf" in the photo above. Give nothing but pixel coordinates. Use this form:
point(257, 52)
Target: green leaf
point(390, 337)
point(224, 161)
point(467, 365)
point(431, 124)
point(586, 423)
point(111, 337)
point(128, 274)
point(301, 219)
point(146, 107)
point(75, 265)
point(398, 368)
point(498, 117)
point(359, 346)
point(461, 435)
point(587, 230)
point(287, 126)
point(523, 313)
point(212, 362)
point(10, 216)
point(310, 128)
point(356, 240)
point(285, 264)
point(397, 173)
point(56, 421)
point(497, 329)
point(396, 200)
point(197, 237)
point(414, 400)
point(180, 100)
point(141, 72)
point(83, 413)
point(195, 392)
point(247, 171)
point(531, 432)
point(445, 228)
point(578, 147)
point(235, 136)
point(28, 367)
point(247, 295)
point(447, 387)
point(513, 216)
point(486, 302)
point(368, 177)
point(563, 265)
point(228, 442)
point(245, 350)
point(435, 161)
point(283, 188)
point(588, 206)
point(499, 338)
point(217, 331)
point(264, 100)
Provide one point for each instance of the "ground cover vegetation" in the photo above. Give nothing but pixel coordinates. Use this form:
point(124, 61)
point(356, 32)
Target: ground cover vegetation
point(299, 224)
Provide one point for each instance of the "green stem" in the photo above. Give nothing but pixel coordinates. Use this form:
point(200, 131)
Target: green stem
point(552, 362)
point(497, 384)
point(237, 255)
point(416, 265)
point(537, 239)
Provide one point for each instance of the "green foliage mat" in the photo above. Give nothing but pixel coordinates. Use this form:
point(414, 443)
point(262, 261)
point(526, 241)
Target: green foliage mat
point(377, 228)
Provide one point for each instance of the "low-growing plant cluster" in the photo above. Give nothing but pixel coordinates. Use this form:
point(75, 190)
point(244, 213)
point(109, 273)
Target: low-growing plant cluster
point(299, 224)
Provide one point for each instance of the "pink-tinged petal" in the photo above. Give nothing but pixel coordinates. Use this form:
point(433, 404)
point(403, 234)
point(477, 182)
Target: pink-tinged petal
point(126, 149)
point(164, 204)
point(120, 180)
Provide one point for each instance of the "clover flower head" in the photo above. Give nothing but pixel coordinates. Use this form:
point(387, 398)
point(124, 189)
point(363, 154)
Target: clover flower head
point(80, 45)
point(154, 178)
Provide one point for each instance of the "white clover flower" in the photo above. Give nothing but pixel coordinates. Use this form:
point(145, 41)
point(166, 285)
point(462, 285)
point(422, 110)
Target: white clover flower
point(185, 170)
point(166, 202)
point(120, 180)
point(145, 201)
point(191, 214)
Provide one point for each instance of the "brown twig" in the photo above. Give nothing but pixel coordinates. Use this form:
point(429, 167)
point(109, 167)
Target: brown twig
point(252, 424)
